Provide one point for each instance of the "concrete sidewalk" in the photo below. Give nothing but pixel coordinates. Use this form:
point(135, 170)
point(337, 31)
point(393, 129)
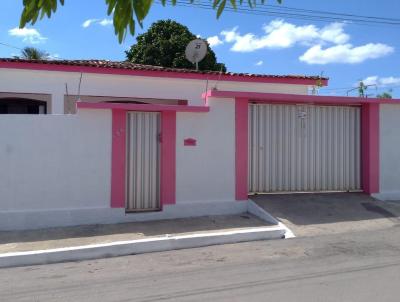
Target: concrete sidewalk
point(330, 213)
point(97, 241)
point(53, 238)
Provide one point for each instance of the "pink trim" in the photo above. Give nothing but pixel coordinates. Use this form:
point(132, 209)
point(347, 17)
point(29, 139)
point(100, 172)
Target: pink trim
point(168, 157)
point(118, 158)
point(142, 107)
point(241, 142)
point(162, 74)
point(296, 98)
point(369, 144)
point(370, 148)
point(191, 142)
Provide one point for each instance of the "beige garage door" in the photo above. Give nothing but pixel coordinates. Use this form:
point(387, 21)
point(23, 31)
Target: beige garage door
point(302, 148)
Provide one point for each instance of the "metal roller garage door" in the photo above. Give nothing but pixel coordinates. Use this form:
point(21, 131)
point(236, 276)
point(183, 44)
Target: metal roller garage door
point(303, 148)
point(143, 188)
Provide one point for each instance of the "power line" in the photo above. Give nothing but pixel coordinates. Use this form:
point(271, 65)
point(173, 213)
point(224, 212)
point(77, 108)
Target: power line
point(281, 7)
point(11, 46)
point(19, 48)
point(362, 20)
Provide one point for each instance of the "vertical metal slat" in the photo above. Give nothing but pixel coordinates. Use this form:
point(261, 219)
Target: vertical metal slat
point(143, 161)
point(303, 148)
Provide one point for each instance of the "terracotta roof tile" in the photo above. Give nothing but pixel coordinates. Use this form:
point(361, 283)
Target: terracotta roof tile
point(133, 66)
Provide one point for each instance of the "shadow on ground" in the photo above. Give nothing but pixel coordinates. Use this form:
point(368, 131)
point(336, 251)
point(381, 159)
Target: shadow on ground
point(329, 212)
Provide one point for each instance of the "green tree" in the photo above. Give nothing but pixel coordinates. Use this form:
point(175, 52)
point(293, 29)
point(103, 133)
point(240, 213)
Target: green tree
point(384, 95)
point(32, 53)
point(124, 12)
point(164, 45)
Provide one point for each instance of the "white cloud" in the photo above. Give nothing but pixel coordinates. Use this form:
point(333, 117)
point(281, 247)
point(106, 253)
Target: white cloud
point(389, 81)
point(89, 22)
point(259, 63)
point(328, 44)
point(281, 34)
point(381, 81)
point(214, 41)
point(230, 35)
point(334, 33)
point(55, 56)
point(345, 53)
point(102, 22)
point(28, 35)
point(106, 22)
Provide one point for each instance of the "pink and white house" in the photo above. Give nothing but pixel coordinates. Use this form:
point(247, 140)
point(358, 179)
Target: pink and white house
point(110, 142)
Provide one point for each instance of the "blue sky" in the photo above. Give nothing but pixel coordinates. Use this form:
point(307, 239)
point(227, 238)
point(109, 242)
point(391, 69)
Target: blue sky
point(344, 52)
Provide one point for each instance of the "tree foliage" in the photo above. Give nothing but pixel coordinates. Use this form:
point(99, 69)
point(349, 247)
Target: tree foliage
point(32, 53)
point(384, 95)
point(164, 44)
point(125, 12)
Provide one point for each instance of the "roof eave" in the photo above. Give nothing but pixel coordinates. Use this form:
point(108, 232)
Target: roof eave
point(163, 73)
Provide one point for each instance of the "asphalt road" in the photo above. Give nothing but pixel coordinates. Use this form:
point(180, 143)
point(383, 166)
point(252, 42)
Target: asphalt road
point(362, 266)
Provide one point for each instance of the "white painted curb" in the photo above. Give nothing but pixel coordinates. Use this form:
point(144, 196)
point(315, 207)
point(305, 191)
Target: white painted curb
point(256, 210)
point(122, 248)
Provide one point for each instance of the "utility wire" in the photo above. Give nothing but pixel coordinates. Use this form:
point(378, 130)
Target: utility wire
point(362, 20)
point(281, 7)
point(19, 48)
point(11, 46)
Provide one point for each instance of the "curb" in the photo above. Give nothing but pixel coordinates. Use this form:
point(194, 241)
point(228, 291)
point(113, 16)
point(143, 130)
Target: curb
point(123, 248)
point(256, 210)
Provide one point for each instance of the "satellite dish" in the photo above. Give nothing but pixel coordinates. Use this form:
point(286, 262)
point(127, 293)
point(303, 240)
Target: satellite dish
point(195, 51)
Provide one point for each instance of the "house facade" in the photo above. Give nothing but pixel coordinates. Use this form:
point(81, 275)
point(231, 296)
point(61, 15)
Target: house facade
point(107, 142)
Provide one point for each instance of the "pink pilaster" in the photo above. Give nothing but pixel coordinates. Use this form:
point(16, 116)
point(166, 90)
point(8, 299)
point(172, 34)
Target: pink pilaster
point(168, 157)
point(118, 158)
point(370, 147)
point(241, 142)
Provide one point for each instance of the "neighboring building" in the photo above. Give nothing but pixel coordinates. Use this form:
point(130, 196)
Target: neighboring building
point(126, 142)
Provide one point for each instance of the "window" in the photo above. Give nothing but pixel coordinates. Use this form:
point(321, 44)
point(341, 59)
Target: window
point(22, 106)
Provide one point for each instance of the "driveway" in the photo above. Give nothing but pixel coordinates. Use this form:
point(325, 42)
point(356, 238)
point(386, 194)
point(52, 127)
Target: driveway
point(330, 213)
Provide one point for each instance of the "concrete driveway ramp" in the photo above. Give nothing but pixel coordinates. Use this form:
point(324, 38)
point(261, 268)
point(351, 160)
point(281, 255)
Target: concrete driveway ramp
point(308, 214)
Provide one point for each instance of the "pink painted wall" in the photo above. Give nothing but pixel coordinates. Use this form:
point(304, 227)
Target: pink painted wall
point(168, 157)
point(370, 147)
point(241, 142)
point(118, 158)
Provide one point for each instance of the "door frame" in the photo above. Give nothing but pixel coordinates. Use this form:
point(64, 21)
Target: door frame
point(369, 138)
point(128, 177)
point(167, 158)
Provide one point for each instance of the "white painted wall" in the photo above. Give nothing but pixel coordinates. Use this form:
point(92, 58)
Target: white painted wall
point(389, 152)
point(206, 172)
point(53, 82)
point(55, 162)
point(55, 169)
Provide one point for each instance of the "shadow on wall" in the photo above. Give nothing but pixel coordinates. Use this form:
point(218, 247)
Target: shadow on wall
point(320, 208)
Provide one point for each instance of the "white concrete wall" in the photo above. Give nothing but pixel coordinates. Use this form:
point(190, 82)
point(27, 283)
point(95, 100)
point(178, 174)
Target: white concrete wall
point(55, 162)
point(206, 172)
point(389, 152)
point(53, 82)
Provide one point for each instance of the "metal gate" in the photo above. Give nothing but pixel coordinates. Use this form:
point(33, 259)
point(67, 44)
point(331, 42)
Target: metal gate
point(303, 148)
point(143, 157)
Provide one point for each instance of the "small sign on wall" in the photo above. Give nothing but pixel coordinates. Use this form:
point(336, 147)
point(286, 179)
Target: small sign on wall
point(191, 142)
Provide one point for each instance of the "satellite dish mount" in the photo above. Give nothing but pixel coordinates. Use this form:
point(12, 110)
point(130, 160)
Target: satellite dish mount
point(195, 51)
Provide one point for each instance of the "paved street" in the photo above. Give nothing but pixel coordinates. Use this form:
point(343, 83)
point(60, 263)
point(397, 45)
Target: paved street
point(362, 266)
